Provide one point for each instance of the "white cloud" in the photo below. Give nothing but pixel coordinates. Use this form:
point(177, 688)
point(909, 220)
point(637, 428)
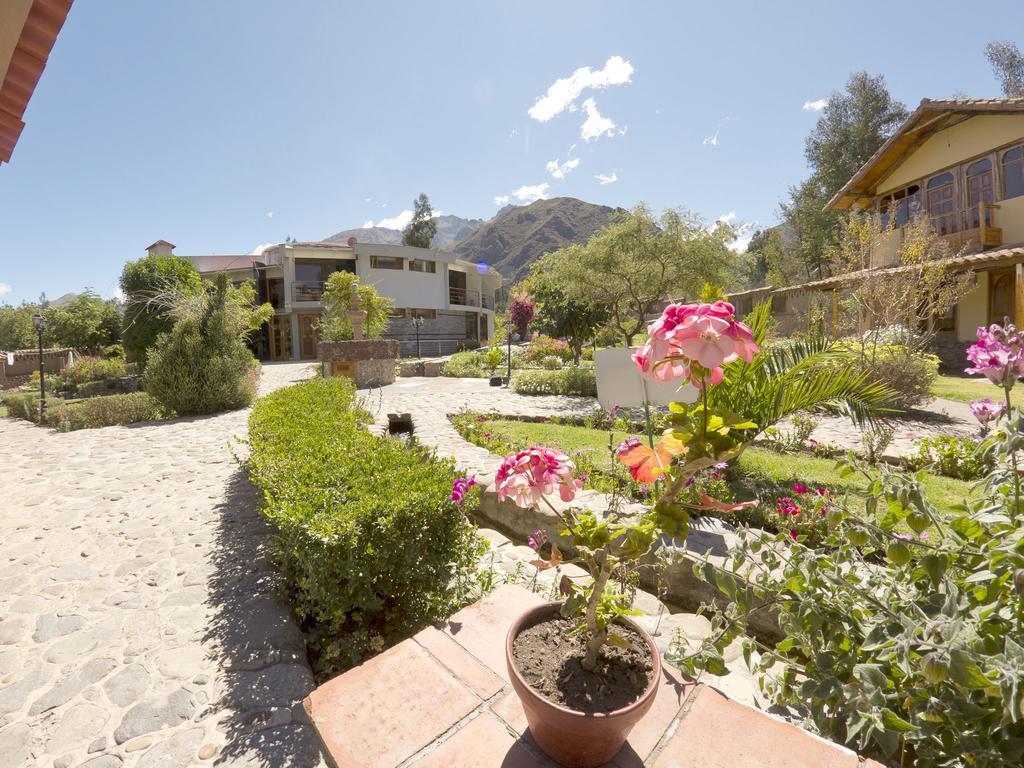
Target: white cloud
point(623, 130)
point(561, 170)
point(596, 124)
point(744, 234)
point(605, 178)
point(367, 199)
point(726, 218)
point(528, 193)
point(571, 148)
point(564, 91)
point(270, 214)
point(513, 132)
point(368, 223)
point(502, 200)
point(5, 288)
point(815, 106)
point(117, 293)
point(259, 249)
point(712, 140)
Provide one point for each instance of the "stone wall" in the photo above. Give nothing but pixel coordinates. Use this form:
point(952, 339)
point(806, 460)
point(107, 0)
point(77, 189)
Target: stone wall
point(373, 360)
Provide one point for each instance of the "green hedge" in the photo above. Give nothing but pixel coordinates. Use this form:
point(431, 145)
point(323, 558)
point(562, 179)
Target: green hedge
point(24, 404)
point(568, 381)
point(106, 411)
point(370, 544)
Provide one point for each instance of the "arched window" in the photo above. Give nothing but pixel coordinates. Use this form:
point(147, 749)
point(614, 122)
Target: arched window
point(1013, 172)
point(942, 203)
point(980, 189)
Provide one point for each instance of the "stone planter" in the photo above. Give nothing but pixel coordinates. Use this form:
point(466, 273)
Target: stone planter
point(496, 381)
point(368, 362)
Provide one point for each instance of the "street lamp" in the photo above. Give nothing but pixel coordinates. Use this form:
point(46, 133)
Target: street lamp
point(508, 337)
point(39, 323)
point(417, 322)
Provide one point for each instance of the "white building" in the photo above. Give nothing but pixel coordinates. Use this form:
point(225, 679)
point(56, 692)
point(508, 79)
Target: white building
point(454, 298)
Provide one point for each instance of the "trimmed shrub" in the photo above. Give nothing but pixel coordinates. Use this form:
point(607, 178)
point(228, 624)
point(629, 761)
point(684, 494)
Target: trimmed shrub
point(370, 544)
point(25, 404)
point(953, 456)
point(108, 387)
point(544, 346)
point(478, 364)
point(86, 369)
point(909, 372)
point(106, 411)
point(551, 362)
point(568, 381)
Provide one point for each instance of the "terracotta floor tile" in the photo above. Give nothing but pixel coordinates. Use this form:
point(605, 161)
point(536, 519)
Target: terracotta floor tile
point(672, 692)
point(719, 733)
point(510, 709)
point(481, 628)
point(380, 713)
point(468, 669)
point(482, 743)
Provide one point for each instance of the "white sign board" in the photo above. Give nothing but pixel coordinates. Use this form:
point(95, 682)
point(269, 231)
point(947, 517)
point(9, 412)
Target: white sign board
point(619, 383)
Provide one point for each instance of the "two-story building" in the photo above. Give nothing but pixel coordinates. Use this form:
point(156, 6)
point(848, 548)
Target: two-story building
point(961, 163)
point(450, 302)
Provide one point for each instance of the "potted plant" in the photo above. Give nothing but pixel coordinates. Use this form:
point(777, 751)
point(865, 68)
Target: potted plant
point(492, 359)
point(586, 673)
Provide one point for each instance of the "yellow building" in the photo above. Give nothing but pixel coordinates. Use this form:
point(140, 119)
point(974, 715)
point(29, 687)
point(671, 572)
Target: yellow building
point(961, 163)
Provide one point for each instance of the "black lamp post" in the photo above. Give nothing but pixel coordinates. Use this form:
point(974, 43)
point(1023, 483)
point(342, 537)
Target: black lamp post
point(417, 324)
point(39, 323)
point(508, 337)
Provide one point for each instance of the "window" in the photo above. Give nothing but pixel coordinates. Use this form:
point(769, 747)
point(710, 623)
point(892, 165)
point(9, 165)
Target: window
point(426, 314)
point(422, 265)
point(1013, 172)
point(980, 189)
point(778, 303)
point(386, 262)
point(906, 203)
point(397, 314)
point(942, 203)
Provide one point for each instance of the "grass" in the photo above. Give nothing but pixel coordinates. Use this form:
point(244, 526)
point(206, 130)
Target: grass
point(762, 472)
point(965, 389)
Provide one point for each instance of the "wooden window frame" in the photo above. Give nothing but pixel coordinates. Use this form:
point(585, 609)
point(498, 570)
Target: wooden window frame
point(999, 168)
point(426, 314)
point(430, 266)
point(376, 262)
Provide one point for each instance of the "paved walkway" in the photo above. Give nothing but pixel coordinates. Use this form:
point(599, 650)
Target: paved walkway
point(138, 626)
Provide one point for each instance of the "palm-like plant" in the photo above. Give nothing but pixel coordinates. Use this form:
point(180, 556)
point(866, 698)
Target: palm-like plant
point(797, 376)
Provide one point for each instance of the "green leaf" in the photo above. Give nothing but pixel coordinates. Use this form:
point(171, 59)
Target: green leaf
point(894, 722)
point(965, 671)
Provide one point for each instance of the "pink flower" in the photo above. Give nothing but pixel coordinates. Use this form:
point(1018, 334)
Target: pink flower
point(536, 540)
point(987, 410)
point(799, 488)
point(787, 506)
point(998, 355)
point(526, 477)
point(694, 341)
point(460, 486)
point(823, 491)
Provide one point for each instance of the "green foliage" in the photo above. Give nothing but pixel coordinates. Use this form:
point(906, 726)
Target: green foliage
point(796, 376)
point(145, 283)
point(478, 363)
point(204, 364)
point(88, 369)
point(908, 373)
point(16, 331)
point(106, 411)
point(544, 346)
point(25, 404)
point(87, 323)
point(551, 362)
point(711, 293)
point(337, 300)
point(557, 315)
point(369, 542)
point(906, 648)
point(960, 457)
point(568, 381)
point(420, 231)
point(630, 266)
point(1008, 65)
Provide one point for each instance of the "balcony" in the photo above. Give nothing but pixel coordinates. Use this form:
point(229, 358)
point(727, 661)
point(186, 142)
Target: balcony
point(308, 291)
point(973, 228)
point(464, 297)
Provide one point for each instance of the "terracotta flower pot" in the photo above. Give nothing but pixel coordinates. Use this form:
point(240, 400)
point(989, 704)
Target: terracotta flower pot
point(569, 737)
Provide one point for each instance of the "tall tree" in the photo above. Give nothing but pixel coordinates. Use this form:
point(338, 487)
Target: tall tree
point(1008, 64)
point(639, 261)
point(852, 126)
point(87, 323)
point(16, 330)
point(147, 285)
point(562, 317)
point(421, 230)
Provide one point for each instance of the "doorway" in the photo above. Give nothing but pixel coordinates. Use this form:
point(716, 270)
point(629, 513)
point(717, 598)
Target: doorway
point(309, 335)
point(1001, 301)
point(280, 337)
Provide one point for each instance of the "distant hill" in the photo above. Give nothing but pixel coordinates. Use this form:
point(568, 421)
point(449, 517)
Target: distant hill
point(519, 235)
point(450, 229)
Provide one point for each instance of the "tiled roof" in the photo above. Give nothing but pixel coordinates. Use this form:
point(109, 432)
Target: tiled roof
point(931, 115)
point(205, 264)
point(43, 24)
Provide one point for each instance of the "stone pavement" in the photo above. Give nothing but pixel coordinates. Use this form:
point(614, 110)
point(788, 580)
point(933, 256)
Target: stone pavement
point(138, 623)
point(443, 699)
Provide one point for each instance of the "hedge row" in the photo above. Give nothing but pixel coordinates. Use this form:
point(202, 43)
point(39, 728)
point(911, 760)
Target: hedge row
point(567, 381)
point(91, 413)
point(367, 538)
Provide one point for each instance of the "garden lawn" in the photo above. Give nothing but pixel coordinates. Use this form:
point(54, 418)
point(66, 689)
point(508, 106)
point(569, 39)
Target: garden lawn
point(967, 389)
point(762, 472)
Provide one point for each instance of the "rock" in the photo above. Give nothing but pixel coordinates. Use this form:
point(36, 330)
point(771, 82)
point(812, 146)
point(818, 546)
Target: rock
point(278, 685)
point(72, 572)
point(28, 604)
point(14, 695)
point(186, 596)
point(176, 752)
point(50, 626)
point(493, 537)
point(71, 648)
point(103, 761)
point(207, 751)
point(181, 663)
point(97, 745)
point(62, 762)
point(15, 741)
point(289, 745)
point(66, 689)
point(76, 726)
point(12, 629)
point(145, 717)
point(127, 685)
point(142, 742)
point(201, 679)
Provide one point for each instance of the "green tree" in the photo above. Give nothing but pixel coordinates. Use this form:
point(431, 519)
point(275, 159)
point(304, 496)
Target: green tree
point(639, 261)
point(560, 316)
point(337, 300)
point(16, 331)
point(147, 284)
point(421, 230)
point(203, 364)
point(1008, 64)
point(852, 126)
point(87, 323)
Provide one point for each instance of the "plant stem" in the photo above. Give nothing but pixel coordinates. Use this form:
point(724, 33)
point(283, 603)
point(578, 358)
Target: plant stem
point(1013, 454)
point(704, 402)
point(596, 637)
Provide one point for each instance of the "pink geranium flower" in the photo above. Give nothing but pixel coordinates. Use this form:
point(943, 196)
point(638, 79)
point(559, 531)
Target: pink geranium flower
point(998, 354)
point(526, 477)
point(799, 488)
point(987, 410)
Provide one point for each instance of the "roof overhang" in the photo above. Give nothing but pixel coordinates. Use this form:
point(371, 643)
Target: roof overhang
point(929, 118)
point(28, 30)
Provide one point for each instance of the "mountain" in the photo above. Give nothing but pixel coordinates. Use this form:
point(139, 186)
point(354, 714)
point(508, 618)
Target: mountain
point(450, 229)
point(518, 236)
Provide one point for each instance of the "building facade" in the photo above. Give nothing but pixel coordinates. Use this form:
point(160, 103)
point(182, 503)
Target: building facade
point(959, 162)
point(449, 302)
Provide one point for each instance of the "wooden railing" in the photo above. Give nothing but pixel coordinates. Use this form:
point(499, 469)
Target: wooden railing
point(961, 224)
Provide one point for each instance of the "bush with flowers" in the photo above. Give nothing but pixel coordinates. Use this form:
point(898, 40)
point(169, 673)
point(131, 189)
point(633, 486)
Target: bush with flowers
point(545, 346)
point(688, 342)
point(905, 646)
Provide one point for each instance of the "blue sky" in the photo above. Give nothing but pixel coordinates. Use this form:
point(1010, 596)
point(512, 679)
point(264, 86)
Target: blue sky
point(223, 124)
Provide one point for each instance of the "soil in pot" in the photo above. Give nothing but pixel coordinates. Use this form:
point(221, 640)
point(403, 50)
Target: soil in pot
point(549, 658)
